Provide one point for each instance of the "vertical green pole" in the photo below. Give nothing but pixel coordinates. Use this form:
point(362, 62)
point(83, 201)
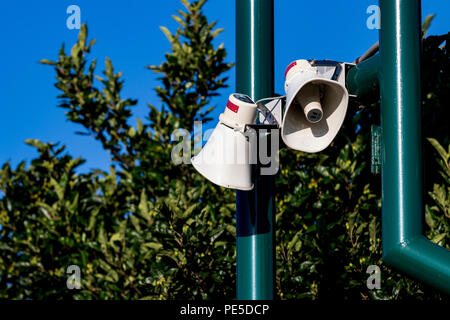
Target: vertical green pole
point(400, 109)
point(404, 245)
point(255, 209)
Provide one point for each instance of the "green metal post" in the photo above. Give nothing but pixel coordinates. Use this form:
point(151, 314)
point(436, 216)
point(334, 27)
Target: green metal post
point(404, 245)
point(254, 209)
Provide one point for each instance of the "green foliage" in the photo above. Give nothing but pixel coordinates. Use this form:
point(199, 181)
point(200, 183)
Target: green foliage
point(193, 69)
point(438, 214)
point(151, 229)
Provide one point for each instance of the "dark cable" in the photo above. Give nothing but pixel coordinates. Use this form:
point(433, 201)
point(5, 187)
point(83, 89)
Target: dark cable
point(369, 53)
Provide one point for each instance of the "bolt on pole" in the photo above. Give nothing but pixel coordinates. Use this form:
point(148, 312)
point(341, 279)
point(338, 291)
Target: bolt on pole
point(255, 208)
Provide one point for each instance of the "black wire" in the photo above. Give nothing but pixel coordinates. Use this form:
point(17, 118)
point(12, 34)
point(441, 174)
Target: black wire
point(369, 53)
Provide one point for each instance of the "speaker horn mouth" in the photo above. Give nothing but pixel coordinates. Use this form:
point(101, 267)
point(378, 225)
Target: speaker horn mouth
point(310, 101)
point(314, 115)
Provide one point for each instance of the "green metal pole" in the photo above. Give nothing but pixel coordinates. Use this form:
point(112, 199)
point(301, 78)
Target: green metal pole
point(255, 209)
point(404, 246)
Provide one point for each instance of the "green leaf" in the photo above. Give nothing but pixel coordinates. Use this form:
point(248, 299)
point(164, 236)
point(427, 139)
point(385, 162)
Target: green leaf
point(112, 276)
point(58, 189)
point(75, 51)
point(298, 245)
point(427, 23)
point(153, 245)
point(131, 132)
point(36, 143)
point(360, 228)
point(295, 239)
point(438, 238)
point(429, 217)
point(231, 229)
point(185, 3)
point(143, 207)
point(166, 33)
point(92, 218)
point(189, 211)
point(140, 126)
point(440, 196)
point(444, 155)
point(135, 223)
point(373, 231)
point(47, 210)
point(82, 35)
point(216, 32)
point(220, 243)
point(91, 43)
point(179, 20)
point(200, 4)
point(115, 237)
point(102, 239)
point(109, 67)
point(45, 61)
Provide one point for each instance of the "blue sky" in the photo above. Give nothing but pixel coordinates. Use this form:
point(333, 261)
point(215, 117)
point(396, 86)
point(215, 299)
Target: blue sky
point(128, 33)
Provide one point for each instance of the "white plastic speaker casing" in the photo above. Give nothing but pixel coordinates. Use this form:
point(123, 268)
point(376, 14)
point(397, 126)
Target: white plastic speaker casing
point(296, 131)
point(225, 158)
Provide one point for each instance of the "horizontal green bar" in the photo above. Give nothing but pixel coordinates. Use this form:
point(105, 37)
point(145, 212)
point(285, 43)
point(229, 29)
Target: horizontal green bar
point(422, 259)
point(363, 78)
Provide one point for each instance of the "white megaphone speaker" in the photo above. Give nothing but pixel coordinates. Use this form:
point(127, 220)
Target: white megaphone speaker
point(225, 158)
point(316, 104)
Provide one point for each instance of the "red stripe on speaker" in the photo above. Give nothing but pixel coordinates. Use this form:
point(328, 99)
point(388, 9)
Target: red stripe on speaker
point(289, 67)
point(232, 106)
